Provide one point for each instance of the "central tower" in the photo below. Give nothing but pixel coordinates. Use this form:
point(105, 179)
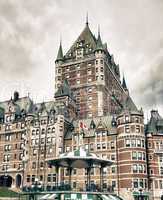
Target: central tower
point(92, 75)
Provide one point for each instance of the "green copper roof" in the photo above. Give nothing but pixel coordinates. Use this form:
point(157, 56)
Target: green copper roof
point(64, 90)
point(124, 83)
point(86, 37)
point(99, 45)
point(60, 53)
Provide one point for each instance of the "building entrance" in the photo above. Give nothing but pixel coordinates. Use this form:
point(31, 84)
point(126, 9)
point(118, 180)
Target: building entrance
point(5, 181)
point(18, 180)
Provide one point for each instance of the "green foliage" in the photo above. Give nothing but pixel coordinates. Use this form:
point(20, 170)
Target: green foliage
point(5, 192)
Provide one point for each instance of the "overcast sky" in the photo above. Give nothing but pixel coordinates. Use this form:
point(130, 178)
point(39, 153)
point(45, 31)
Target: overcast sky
point(30, 32)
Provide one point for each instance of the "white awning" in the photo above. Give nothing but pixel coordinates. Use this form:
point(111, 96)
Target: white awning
point(48, 197)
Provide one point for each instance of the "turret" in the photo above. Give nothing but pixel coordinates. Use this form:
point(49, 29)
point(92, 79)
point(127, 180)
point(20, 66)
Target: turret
point(60, 54)
point(58, 69)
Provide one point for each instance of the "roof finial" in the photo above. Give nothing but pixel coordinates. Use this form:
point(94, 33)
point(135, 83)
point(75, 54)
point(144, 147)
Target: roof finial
point(98, 30)
point(87, 19)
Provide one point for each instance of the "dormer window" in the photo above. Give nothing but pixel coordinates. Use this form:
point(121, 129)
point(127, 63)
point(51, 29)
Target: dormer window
point(10, 108)
point(126, 118)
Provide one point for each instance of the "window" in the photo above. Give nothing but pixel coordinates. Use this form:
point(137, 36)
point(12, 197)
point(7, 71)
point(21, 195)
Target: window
point(103, 145)
point(133, 143)
point(34, 152)
point(134, 155)
point(139, 155)
point(127, 129)
point(161, 170)
point(127, 143)
point(89, 72)
point(137, 119)
point(135, 183)
point(135, 168)
point(33, 178)
point(34, 165)
point(7, 137)
point(101, 69)
point(112, 145)
point(149, 144)
point(112, 157)
point(143, 143)
point(98, 146)
point(127, 118)
point(138, 143)
point(113, 184)
point(137, 129)
point(113, 170)
point(140, 168)
point(102, 77)
point(101, 62)
point(141, 183)
point(28, 178)
point(49, 178)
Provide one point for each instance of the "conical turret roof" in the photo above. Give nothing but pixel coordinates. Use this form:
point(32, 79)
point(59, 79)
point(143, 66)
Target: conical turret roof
point(124, 85)
point(60, 53)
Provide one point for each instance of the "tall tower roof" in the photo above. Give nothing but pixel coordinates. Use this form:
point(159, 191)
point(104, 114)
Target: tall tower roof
point(85, 38)
point(60, 53)
point(99, 45)
point(124, 83)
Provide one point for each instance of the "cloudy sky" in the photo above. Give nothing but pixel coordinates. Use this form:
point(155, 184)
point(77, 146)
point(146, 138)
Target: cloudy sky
point(30, 33)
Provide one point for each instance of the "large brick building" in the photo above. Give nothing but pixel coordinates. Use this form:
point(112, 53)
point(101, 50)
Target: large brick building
point(92, 109)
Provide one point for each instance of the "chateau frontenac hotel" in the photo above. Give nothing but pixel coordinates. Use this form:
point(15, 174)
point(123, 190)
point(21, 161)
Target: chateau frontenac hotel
point(92, 109)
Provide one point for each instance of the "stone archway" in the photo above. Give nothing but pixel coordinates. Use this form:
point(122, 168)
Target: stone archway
point(5, 181)
point(18, 180)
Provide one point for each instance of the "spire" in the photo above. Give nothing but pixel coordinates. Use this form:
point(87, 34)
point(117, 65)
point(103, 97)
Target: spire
point(99, 45)
point(60, 53)
point(87, 19)
point(124, 83)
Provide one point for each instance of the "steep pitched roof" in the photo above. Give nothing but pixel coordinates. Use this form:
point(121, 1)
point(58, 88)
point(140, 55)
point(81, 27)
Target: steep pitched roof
point(87, 37)
point(155, 124)
point(129, 105)
point(64, 90)
point(60, 53)
point(124, 83)
point(99, 45)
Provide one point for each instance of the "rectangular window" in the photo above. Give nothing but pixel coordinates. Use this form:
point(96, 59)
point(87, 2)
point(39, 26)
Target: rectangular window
point(49, 178)
point(104, 146)
point(127, 129)
point(135, 183)
point(137, 129)
point(112, 144)
point(134, 155)
point(133, 143)
point(33, 178)
point(135, 168)
point(139, 155)
point(127, 143)
point(28, 178)
point(98, 146)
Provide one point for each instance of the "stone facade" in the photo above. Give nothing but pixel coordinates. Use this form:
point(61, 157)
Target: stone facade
point(91, 109)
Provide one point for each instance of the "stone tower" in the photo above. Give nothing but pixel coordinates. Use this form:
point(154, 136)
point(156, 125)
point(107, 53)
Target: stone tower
point(92, 75)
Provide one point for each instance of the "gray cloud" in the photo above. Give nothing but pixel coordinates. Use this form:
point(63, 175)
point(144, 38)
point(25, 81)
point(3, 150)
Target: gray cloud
point(30, 31)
